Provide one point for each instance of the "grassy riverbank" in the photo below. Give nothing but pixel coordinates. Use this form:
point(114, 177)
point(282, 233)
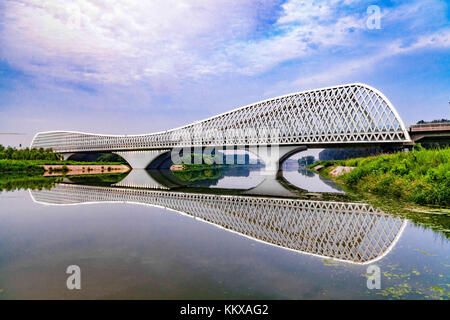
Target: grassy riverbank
point(419, 177)
point(35, 166)
point(31, 161)
point(21, 181)
point(21, 166)
point(203, 172)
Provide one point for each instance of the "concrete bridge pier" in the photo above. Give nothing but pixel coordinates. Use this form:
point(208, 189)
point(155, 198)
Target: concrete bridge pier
point(140, 178)
point(142, 159)
point(273, 158)
point(66, 156)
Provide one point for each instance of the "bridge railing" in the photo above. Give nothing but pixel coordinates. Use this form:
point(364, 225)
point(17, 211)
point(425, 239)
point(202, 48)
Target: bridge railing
point(430, 125)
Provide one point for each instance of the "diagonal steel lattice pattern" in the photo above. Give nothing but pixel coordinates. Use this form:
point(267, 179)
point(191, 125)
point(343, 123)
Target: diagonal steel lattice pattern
point(351, 232)
point(353, 113)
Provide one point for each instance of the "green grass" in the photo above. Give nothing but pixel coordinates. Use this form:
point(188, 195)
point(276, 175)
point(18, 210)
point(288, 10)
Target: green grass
point(103, 179)
point(21, 181)
point(69, 162)
point(421, 176)
point(24, 181)
point(34, 166)
point(24, 166)
point(194, 173)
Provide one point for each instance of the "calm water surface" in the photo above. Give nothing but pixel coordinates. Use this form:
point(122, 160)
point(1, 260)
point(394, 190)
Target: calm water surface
point(196, 241)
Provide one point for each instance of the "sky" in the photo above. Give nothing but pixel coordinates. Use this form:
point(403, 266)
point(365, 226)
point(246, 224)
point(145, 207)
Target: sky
point(136, 66)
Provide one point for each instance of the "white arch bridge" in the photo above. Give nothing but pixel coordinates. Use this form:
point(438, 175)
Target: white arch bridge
point(350, 232)
point(346, 115)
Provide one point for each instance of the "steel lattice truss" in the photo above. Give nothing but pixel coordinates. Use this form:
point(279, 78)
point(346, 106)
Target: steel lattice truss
point(354, 113)
point(351, 232)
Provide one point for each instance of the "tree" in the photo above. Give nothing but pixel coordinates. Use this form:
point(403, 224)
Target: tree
point(28, 154)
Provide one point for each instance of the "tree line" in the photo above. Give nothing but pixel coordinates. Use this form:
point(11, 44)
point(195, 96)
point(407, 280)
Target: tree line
point(12, 153)
point(349, 153)
point(433, 121)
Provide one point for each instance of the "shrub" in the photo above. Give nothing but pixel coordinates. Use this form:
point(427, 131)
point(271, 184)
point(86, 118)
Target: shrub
point(421, 176)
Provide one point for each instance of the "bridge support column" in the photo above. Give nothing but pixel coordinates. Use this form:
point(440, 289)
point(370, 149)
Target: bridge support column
point(141, 159)
point(66, 156)
point(139, 178)
point(273, 158)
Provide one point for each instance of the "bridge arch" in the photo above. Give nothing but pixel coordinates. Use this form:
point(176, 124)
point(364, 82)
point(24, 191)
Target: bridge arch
point(351, 232)
point(340, 115)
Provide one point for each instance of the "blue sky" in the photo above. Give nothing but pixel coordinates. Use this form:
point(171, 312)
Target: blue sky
point(141, 66)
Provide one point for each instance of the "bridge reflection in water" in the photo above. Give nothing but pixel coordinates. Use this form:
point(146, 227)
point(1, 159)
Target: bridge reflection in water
point(349, 232)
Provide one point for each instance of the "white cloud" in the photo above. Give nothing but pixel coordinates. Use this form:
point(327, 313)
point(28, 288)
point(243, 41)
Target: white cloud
point(119, 41)
point(165, 42)
point(300, 11)
point(158, 41)
point(348, 69)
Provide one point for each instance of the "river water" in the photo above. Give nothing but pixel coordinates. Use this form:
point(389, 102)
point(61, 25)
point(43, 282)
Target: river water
point(213, 234)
